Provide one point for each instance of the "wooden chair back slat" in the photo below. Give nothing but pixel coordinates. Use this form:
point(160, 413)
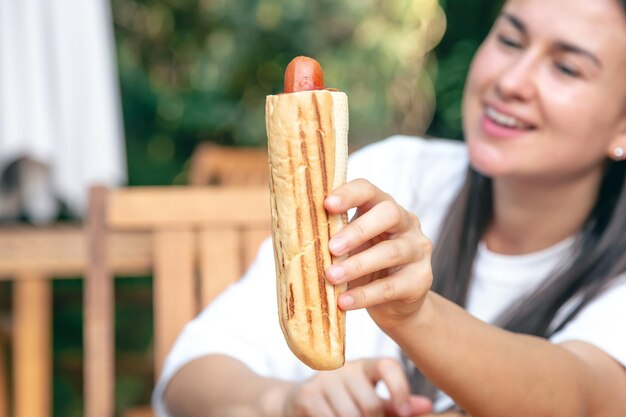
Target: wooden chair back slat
point(252, 238)
point(219, 263)
point(174, 288)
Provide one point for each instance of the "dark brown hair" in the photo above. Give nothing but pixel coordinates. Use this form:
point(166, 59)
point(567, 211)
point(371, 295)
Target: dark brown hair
point(599, 257)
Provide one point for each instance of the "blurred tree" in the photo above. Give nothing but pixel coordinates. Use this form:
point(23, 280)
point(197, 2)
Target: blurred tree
point(468, 24)
point(194, 70)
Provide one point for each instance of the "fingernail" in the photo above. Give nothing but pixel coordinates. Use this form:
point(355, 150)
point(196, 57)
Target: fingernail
point(333, 200)
point(337, 245)
point(347, 301)
point(336, 273)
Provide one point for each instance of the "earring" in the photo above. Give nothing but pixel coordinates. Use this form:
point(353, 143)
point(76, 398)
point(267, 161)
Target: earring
point(618, 153)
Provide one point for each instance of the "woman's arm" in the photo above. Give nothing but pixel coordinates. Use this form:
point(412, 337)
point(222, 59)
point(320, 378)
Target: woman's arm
point(218, 385)
point(487, 371)
point(492, 372)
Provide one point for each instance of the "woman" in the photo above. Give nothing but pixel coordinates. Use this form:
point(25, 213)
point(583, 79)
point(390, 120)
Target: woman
point(532, 239)
point(545, 105)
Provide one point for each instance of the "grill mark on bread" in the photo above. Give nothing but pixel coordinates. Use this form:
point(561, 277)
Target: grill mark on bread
point(303, 264)
point(279, 254)
point(291, 308)
point(319, 256)
point(298, 225)
point(292, 169)
point(320, 144)
point(311, 329)
point(307, 302)
point(322, 134)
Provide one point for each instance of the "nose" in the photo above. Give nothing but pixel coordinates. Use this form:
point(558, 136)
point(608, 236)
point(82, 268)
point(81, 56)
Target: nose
point(517, 80)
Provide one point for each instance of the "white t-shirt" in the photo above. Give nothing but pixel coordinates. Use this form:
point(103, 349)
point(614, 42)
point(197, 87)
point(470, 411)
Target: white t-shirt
point(423, 176)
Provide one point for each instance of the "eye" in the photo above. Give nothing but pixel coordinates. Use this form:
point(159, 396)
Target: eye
point(567, 69)
point(509, 42)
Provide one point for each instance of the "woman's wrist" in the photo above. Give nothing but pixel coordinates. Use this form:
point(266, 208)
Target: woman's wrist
point(421, 321)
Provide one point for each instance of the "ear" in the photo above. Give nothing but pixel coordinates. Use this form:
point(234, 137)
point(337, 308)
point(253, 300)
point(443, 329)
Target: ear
point(617, 147)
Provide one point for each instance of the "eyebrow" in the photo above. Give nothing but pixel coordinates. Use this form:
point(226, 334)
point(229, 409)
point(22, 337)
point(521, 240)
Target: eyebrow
point(519, 25)
point(560, 46)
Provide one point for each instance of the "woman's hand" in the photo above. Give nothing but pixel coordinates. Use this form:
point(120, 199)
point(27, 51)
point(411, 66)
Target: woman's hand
point(350, 391)
point(388, 267)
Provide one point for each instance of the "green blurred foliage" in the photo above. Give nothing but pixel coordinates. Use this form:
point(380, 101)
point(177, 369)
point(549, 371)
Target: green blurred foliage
point(196, 70)
point(468, 22)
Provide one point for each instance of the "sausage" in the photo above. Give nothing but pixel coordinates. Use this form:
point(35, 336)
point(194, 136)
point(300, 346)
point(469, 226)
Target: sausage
point(303, 74)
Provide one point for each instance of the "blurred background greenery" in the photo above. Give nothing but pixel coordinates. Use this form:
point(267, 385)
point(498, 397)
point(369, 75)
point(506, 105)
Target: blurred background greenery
point(199, 70)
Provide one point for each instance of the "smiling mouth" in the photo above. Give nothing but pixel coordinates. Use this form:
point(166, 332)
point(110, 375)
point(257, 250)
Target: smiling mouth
point(506, 120)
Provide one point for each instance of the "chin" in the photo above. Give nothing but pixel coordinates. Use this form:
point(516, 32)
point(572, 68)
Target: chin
point(487, 159)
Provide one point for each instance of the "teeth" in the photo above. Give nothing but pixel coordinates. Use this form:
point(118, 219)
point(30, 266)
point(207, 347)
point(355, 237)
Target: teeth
point(503, 119)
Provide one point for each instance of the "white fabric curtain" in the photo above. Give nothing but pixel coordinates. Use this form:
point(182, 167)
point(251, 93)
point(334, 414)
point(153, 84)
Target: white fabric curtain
point(60, 111)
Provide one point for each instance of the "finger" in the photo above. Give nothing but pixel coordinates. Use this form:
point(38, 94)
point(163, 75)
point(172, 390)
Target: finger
point(364, 393)
point(386, 254)
point(323, 409)
point(385, 217)
point(319, 407)
point(420, 407)
point(340, 400)
point(356, 193)
point(409, 285)
point(392, 374)
point(308, 401)
point(390, 371)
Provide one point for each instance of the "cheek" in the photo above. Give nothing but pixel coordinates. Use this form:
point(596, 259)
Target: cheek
point(481, 76)
point(592, 132)
point(488, 160)
point(471, 94)
point(479, 71)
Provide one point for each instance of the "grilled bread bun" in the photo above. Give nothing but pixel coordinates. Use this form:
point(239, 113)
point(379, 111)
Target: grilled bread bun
point(308, 150)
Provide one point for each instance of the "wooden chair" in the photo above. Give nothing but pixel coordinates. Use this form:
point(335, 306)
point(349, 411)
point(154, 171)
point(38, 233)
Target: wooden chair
point(212, 164)
point(202, 239)
point(31, 257)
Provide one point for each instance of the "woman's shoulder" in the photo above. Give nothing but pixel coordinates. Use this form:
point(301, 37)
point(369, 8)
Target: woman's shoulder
point(401, 156)
point(406, 149)
point(422, 175)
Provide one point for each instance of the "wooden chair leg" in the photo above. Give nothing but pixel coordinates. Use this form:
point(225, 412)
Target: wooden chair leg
point(98, 327)
point(32, 347)
point(4, 396)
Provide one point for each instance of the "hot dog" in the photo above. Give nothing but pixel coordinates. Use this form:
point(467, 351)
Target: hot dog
point(307, 131)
